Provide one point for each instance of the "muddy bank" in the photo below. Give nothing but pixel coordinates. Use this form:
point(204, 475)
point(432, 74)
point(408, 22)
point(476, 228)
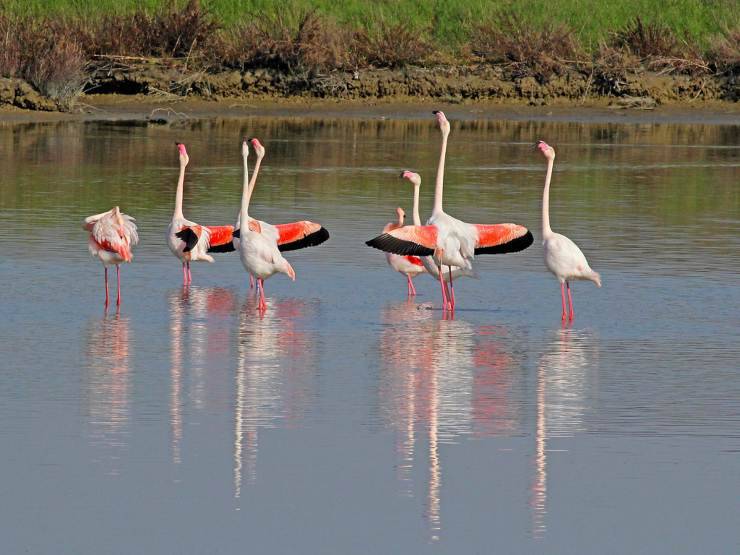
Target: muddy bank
point(642, 90)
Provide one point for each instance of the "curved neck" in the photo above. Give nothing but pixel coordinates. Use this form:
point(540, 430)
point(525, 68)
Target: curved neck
point(244, 210)
point(253, 181)
point(178, 194)
point(440, 175)
point(546, 231)
point(417, 218)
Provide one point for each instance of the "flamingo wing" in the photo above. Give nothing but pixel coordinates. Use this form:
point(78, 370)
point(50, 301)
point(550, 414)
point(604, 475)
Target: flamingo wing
point(419, 240)
point(299, 235)
point(221, 238)
point(502, 238)
point(190, 235)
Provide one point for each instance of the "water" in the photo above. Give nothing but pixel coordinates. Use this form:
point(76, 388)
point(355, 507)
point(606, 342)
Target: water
point(348, 419)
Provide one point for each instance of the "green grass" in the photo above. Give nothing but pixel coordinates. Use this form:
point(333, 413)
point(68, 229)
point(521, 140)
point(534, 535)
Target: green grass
point(447, 23)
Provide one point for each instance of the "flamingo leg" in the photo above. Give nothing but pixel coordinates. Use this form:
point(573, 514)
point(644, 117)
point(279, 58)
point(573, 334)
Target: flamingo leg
point(444, 288)
point(411, 284)
point(106, 285)
point(570, 301)
point(452, 289)
point(261, 286)
point(251, 281)
point(118, 282)
point(184, 275)
point(562, 295)
point(190, 276)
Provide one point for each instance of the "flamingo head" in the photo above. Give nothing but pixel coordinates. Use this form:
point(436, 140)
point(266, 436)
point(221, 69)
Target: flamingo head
point(245, 147)
point(546, 149)
point(258, 148)
point(414, 178)
point(401, 215)
point(184, 158)
point(119, 221)
point(444, 125)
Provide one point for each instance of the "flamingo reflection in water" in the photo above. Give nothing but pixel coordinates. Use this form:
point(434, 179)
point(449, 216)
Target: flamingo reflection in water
point(108, 383)
point(274, 377)
point(565, 372)
point(426, 384)
point(200, 328)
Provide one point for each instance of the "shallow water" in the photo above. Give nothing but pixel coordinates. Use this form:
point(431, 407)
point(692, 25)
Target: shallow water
point(348, 419)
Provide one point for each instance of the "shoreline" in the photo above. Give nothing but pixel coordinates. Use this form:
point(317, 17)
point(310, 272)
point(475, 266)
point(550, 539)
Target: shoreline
point(143, 108)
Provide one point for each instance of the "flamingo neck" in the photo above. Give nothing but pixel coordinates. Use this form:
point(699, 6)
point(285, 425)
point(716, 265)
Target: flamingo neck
point(253, 181)
point(546, 230)
point(244, 210)
point(439, 184)
point(178, 194)
point(417, 218)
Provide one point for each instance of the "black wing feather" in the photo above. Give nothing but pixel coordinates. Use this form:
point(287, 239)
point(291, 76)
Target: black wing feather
point(389, 243)
point(188, 237)
point(310, 240)
point(515, 245)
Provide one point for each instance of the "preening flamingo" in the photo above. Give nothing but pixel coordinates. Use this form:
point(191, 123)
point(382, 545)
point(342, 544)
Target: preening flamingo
point(258, 244)
point(112, 234)
point(562, 256)
point(427, 261)
point(452, 242)
point(409, 266)
point(187, 240)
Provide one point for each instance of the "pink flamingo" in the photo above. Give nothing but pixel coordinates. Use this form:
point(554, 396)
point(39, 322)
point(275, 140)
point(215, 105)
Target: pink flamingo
point(258, 243)
point(452, 242)
point(112, 234)
point(427, 261)
point(409, 266)
point(562, 256)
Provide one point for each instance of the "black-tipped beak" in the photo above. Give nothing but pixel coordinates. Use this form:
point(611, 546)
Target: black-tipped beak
point(435, 112)
point(403, 172)
point(177, 144)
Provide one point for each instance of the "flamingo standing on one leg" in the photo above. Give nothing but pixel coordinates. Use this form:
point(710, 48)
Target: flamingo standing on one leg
point(562, 256)
point(409, 266)
point(112, 234)
point(452, 242)
point(258, 247)
point(427, 261)
point(187, 240)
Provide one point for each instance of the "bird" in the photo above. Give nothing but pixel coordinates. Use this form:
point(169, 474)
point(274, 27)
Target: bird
point(409, 266)
point(112, 235)
point(427, 261)
point(258, 242)
point(452, 242)
point(187, 240)
point(562, 256)
point(290, 236)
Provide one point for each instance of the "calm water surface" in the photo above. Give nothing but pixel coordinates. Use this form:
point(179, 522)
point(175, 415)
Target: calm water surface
point(348, 419)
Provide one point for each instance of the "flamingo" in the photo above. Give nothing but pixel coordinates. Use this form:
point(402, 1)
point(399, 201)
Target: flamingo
point(187, 240)
point(291, 236)
point(258, 247)
point(409, 266)
point(427, 261)
point(452, 242)
point(562, 256)
point(112, 234)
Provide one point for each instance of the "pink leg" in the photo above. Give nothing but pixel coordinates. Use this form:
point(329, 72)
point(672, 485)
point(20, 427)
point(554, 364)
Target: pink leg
point(251, 282)
point(562, 295)
point(570, 301)
point(118, 280)
point(190, 276)
point(261, 286)
point(184, 275)
point(444, 288)
point(106, 285)
point(452, 290)
point(413, 289)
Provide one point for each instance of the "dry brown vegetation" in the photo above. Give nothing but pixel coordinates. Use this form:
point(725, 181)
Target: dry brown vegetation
point(57, 56)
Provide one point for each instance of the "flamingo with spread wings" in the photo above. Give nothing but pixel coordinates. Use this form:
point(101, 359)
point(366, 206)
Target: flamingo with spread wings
point(409, 266)
point(562, 256)
point(112, 234)
point(452, 242)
